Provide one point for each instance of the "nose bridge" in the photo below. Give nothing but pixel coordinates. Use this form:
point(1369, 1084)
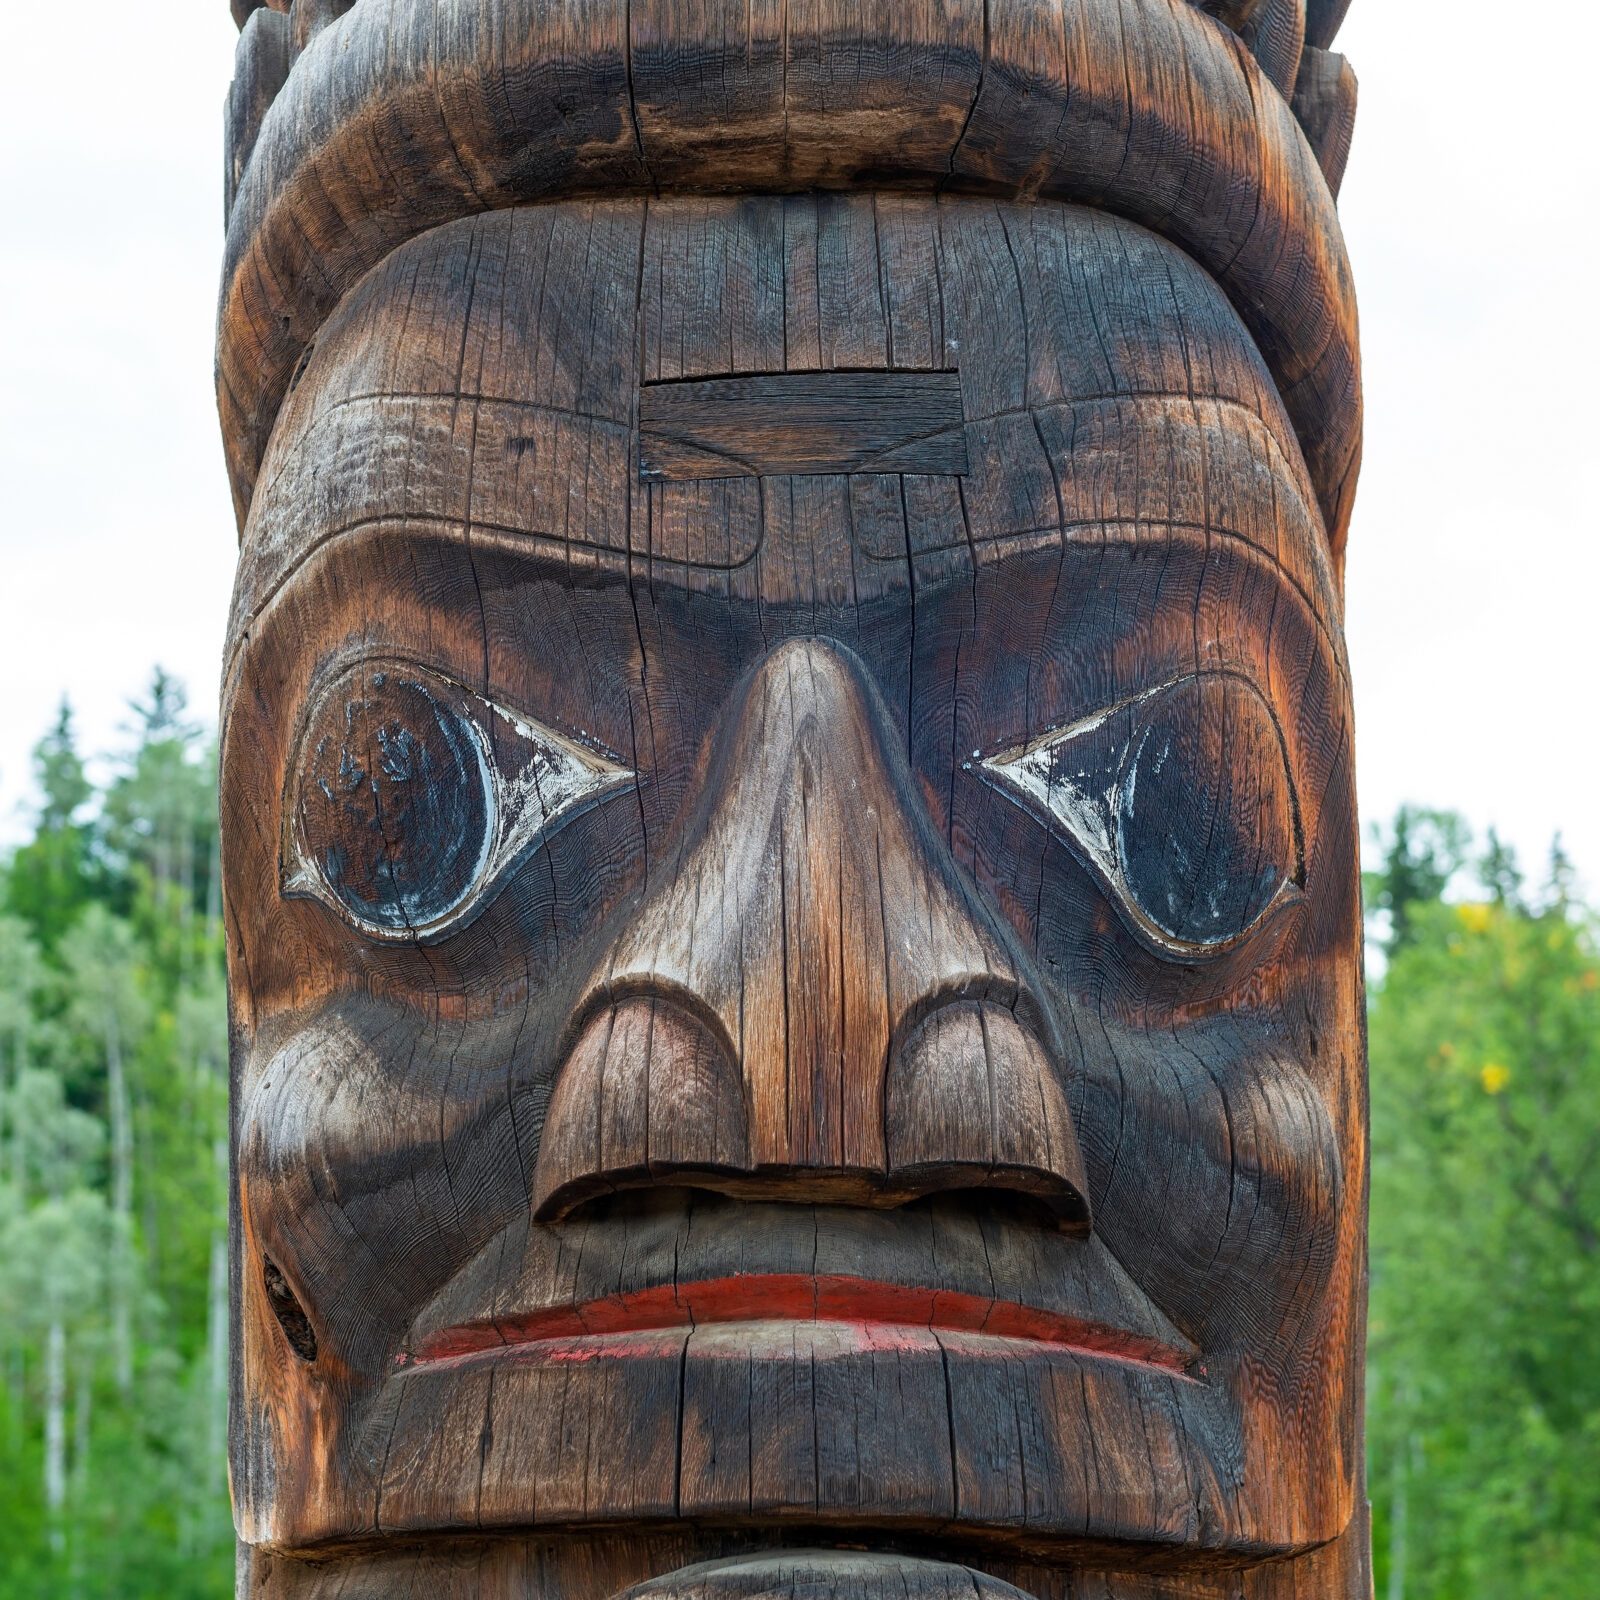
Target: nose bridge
point(814, 982)
point(811, 923)
point(810, 912)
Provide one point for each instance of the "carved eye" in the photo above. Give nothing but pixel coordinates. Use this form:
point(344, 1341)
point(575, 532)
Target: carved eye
point(411, 797)
point(1181, 800)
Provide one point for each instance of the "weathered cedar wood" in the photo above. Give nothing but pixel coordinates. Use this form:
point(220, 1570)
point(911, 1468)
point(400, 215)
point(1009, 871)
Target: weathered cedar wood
point(788, 424)
point(1276, 34)
point(1323, 19)
point(1147, 107)
point(789, 829)
point(1325, 102)
point(261, 67)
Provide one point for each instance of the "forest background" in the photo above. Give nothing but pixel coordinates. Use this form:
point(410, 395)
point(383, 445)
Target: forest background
point(1484, 1397)
point(1471, 597)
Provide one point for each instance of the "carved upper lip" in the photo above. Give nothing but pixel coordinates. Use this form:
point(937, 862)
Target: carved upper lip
point(972, 1267)
point(873, 1309)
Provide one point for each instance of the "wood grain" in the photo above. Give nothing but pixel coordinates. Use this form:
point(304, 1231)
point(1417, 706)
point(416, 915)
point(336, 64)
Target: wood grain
point(1276, 34)
point(261, 67)
point(307, 18)
point(1324, 18)
point(1325, 103)
point(789, 834)
point(745, 1568)
point(786, 423)
point(874, 94)
point(1235, 13)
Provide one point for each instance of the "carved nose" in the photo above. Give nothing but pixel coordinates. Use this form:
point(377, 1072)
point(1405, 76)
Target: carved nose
point(812, 1005)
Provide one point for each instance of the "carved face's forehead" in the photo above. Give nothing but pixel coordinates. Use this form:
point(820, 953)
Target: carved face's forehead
point(552, 381)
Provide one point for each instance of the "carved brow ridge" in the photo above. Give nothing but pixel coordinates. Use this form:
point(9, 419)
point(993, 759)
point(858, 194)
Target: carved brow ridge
point(1043, 407)
point(1197, 397)
point(513, 531)
point(514, 540)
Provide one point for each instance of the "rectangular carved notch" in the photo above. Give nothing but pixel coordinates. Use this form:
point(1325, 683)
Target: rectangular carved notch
point(802, 422)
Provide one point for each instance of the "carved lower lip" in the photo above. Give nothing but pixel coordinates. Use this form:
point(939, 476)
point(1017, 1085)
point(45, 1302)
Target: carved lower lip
point(883, 1315)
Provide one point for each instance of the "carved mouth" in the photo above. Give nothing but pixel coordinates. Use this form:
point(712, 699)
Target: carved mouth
point(758, 1309)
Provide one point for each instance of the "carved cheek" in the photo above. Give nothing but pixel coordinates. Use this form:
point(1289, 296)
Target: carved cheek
point(1217, 1179)
point(370, 1168)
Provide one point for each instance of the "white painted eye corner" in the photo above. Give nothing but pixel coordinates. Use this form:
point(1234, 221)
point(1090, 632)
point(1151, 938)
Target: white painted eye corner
point(551, 779)
point(1080, 802)
point(1082, 799)
point(559, 776)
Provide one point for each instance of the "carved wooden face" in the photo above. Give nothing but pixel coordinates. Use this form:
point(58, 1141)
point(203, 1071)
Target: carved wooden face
point(792, 878)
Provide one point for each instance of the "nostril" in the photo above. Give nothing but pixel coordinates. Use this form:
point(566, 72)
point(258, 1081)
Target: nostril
point(1041, 1199)
point(973, 1102)
point(992, 1202)
point(290, 1313)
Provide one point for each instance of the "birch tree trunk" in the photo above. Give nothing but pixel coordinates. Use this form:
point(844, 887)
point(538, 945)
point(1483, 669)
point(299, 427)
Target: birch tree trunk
point(55, 1428)
point(82, 1428)
point(1400, 1512)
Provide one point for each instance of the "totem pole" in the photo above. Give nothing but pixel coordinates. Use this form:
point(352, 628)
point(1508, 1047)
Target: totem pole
point(787, 795)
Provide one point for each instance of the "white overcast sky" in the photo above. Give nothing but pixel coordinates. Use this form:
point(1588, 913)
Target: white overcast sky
point(1474, 577)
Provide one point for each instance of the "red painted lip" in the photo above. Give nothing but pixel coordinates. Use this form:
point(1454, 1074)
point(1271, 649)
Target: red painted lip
point(875, 1309)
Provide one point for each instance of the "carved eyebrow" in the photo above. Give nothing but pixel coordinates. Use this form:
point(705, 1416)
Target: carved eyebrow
point(352, 442)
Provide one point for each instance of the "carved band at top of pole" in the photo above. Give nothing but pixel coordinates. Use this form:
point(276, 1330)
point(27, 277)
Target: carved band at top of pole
point(1323, 17)
point(405, 114)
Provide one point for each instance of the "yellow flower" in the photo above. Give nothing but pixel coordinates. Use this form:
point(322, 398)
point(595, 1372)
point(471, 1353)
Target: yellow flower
point(1474, 916)
point(1495, 1077)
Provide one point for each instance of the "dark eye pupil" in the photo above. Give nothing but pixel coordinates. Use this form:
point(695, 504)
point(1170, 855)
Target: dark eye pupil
point(1205, 823)
point(396, 807)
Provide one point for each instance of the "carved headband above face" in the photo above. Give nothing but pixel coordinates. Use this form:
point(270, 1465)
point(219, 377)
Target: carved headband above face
point(1151, 109)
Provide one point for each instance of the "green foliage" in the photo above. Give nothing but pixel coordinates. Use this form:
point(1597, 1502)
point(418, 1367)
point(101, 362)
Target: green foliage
point(1424, 852)
point(1484, 1396)
point(52, 877)
point(113, 1138)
